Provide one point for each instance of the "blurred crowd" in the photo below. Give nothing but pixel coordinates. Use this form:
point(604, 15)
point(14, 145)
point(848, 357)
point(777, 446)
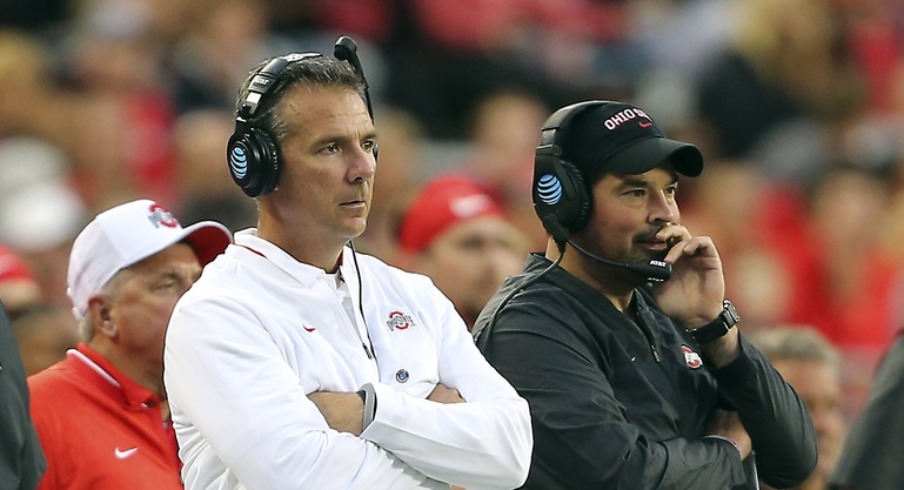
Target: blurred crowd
point(798, 106)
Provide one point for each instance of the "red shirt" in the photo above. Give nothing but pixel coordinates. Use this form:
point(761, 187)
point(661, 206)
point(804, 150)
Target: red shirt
point(99, 429)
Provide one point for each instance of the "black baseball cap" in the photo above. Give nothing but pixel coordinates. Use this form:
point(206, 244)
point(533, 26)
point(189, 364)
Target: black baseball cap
point(616, 137)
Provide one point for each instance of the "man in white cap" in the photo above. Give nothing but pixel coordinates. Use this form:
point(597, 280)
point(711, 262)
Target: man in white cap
point(101, 414)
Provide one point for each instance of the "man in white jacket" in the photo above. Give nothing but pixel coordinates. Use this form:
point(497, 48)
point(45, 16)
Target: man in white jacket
point(295, 362)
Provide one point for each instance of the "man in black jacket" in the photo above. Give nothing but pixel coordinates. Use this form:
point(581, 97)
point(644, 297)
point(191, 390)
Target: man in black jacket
point(636, 375)
point(21, 459)
point(871, 458)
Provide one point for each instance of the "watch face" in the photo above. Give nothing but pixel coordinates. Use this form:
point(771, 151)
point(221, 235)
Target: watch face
point(731, 313)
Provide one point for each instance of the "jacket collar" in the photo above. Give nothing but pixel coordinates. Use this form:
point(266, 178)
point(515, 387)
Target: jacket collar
point(248, 242)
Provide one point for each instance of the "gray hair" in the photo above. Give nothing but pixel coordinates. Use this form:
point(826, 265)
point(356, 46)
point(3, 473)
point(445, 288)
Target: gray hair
point(797, 343)
point(318, 71)
point(111, 288)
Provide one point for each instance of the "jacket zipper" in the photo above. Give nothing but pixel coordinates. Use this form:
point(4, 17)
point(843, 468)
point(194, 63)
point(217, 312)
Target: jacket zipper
point(644, 329)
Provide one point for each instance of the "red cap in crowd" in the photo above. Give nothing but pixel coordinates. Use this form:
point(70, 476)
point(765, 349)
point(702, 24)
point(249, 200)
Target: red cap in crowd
point(443, 202)
point(12, 267)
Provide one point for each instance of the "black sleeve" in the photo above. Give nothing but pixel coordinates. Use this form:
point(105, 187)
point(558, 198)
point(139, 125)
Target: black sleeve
point(871, 458)
point(21, 459)
point(775, 418)
point(582, 439)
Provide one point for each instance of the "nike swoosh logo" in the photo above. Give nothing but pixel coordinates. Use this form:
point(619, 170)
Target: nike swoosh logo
point(308, 329)
point(644, 124)
point(120, 454)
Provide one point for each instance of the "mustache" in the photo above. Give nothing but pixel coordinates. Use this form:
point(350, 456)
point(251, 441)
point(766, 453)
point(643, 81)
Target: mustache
point(649, 234)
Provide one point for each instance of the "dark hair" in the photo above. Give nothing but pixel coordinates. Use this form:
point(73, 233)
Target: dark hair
point(319, 71)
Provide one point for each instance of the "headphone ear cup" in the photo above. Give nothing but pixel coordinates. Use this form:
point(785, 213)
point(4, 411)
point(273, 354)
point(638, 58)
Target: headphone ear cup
point(583, 198)
point(254, 161)
point(559, 192)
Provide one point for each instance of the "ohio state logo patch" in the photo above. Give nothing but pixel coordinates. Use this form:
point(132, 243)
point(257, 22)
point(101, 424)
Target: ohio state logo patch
point(691, 357)
point(161, 217)
point(399, 321)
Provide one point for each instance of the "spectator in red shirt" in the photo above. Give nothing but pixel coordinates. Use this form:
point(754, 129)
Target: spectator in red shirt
point(101, 414)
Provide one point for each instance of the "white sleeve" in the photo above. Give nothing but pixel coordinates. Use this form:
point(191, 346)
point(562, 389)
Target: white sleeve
point(485, 443)
point(229, 381)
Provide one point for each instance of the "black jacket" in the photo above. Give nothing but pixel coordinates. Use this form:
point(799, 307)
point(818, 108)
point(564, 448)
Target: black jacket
point(622, 405)
point(871, 459)
point(21, 459)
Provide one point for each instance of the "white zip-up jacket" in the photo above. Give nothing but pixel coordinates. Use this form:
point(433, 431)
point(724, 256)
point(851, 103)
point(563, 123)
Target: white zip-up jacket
point(260, 330)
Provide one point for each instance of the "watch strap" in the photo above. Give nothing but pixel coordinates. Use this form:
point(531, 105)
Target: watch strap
point(369, 397)
point(717, 328)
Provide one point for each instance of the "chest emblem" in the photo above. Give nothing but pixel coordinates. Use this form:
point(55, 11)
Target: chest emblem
point(123, 454)
point(399, 321)
point(691, 357)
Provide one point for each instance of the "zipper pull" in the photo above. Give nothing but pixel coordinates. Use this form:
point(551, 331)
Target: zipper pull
point(655, 353)
point(370, 355)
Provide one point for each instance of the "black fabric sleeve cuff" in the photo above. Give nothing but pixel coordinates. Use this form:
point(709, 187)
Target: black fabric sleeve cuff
point(740, 372)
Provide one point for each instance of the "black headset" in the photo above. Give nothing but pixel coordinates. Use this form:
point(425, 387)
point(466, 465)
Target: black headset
point(563, 201)
point(252, 153)
point(562, 198)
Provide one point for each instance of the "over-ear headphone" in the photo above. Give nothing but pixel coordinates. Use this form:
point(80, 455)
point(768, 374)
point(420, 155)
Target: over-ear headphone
point(252, 152)
point(563, 201)
point(561, 195)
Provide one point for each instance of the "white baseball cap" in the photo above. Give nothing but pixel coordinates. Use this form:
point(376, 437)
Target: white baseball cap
point(127, 234)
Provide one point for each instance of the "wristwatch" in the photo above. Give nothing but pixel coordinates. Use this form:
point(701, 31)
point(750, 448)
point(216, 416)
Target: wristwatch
point(369, 397)
point(718, 327)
